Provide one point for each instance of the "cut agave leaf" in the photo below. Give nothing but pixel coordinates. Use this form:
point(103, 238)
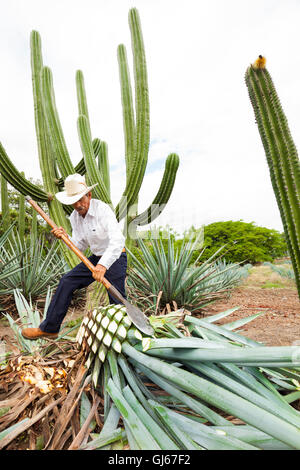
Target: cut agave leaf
point(116, 345)
point(140, 433)
point(107, 339)
point(102, 352)
point(220, 398)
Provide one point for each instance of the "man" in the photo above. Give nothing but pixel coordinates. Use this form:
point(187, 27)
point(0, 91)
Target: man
point(94, 225)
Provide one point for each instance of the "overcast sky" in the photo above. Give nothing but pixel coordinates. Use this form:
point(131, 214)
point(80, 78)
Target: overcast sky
point(197, 53)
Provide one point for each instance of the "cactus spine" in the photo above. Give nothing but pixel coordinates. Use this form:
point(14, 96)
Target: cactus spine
point(55, 162)
point(19, 182)
point(281, 154)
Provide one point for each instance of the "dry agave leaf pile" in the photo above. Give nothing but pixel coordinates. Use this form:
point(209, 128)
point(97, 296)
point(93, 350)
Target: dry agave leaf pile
point(35, 397)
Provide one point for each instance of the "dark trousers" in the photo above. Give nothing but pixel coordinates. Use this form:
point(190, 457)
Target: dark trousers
point(77, 278)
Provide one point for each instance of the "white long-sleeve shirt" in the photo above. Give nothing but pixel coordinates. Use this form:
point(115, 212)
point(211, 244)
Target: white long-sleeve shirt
point(100, 231)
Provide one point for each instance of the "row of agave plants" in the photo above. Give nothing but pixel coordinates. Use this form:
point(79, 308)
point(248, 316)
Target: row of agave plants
point(193, 385)
point(285, 271)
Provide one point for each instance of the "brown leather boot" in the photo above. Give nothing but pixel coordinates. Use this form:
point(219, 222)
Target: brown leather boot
point(36, 333)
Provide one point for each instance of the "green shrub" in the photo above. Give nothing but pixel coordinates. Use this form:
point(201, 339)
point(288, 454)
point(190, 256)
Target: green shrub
point(246, 242)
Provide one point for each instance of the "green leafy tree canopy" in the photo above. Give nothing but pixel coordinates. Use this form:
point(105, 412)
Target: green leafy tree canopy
point(246, 242)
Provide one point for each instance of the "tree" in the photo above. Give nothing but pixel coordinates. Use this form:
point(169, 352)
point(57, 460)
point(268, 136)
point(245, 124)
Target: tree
point(245, 242)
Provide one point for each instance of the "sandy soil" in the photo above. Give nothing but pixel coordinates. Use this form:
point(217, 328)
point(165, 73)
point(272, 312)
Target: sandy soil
point(280, 323)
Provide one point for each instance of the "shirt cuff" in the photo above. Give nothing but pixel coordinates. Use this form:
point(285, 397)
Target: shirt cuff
point(108, 259)
point(103, 264)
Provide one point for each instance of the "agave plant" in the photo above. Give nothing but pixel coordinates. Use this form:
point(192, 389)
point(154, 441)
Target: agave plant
point(29, 317)
point(8, 267)
point(282, 271)
point(166, 279)
point(183, 388)
point(228, 275)
point(33, 266)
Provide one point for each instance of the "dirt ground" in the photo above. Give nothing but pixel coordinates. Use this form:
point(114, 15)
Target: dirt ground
point(280, 323)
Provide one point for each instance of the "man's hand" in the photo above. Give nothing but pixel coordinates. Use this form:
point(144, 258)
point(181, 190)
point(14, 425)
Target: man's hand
point(99, 272)
point(59, 232)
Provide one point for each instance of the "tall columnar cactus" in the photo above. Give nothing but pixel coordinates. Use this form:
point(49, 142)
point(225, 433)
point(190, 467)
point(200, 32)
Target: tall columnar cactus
point(54, 158)
point(281, 155)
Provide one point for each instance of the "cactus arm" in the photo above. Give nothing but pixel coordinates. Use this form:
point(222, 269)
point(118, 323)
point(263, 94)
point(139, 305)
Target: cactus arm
point(141, 86)
point(15, 178)
point(163, 194)
point(96, 146)
point(93, 174)
point(81, 97)
point(45, 154)
point(45, 150)
point(36, 67)
point(45, 145)
point(281, 157)
point(54, 126)
point(128, 111)
point(80, 167)
point(96, 143)
point(139, 163)
point(104, 166)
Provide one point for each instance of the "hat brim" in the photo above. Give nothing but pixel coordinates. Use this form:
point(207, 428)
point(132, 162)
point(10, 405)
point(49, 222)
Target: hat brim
point(69, 200)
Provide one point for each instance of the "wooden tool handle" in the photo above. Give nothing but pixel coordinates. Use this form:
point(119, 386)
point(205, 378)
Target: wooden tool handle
point(66, 240)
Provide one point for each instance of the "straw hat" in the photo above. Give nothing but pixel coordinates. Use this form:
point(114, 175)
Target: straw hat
point(75, 188)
